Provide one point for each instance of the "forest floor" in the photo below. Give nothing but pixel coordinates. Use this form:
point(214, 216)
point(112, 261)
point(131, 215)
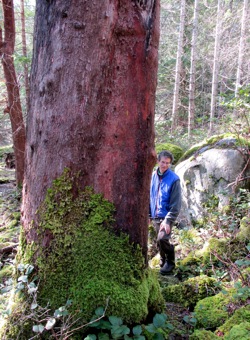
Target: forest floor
point(9, 229)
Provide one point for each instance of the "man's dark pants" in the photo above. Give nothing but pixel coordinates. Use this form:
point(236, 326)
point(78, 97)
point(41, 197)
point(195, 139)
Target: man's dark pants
point(166, 249)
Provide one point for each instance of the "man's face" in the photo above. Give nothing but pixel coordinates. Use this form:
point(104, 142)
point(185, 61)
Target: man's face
point(164, 164)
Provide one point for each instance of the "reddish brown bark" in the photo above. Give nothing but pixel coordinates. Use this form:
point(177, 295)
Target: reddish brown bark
point(93, 82)
point(14, 104)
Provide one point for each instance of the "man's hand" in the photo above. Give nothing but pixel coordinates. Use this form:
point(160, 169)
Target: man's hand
point(166, 227)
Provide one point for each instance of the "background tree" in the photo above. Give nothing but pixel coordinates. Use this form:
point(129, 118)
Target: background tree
point(191, 108)
point(7, 43)
point(216, 65)
point(24, 50)
point(241, 46)
point(93, 82)
point(178, 67)
point(24, 15)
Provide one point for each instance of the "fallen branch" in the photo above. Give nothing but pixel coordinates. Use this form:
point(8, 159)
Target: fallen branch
point(9, 249)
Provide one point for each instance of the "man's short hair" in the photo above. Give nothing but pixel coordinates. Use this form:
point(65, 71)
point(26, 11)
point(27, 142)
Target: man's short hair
point(165, 153)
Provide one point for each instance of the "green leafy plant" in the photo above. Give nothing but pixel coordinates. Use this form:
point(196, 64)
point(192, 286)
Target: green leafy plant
point(113, 328)
point(242, 291)
point(159, 326)
point(190, 320)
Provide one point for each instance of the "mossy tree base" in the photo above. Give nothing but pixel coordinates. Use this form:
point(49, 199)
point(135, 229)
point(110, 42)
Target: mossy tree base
point(78, 256)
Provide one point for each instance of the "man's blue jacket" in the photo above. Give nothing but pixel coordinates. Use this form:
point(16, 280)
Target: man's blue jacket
point(165, 196)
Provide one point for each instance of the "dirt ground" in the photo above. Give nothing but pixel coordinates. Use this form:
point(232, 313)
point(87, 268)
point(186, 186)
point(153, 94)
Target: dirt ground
point(9, 231)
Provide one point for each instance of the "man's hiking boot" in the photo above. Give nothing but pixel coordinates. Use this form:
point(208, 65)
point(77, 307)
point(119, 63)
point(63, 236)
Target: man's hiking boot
point(167, 269)
point(170, 263)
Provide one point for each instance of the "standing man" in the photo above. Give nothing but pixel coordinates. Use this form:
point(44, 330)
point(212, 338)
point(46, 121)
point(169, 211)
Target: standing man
point(165, 204)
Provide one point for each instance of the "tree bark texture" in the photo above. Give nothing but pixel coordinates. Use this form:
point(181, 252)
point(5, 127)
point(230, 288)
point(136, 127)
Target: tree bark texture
point(14, 104)
point(93, 82)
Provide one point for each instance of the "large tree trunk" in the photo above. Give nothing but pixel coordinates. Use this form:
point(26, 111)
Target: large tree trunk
point(93, 82)
point(14, 104)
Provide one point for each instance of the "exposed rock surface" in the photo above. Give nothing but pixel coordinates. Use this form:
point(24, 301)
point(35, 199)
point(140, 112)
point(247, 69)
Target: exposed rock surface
point(212, 171)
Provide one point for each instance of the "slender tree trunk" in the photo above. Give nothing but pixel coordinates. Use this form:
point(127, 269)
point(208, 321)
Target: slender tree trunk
point(216, 65)
point(241, 47)
point(24, 47)
point(191, 108)
point(178, 65)
point(14, 104)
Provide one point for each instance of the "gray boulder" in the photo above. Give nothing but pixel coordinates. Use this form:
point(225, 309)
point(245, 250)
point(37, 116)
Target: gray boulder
point(211, 172)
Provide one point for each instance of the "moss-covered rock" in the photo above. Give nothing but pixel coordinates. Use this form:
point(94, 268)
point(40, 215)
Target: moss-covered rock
point(216, 250)
point(239, 332)
point(203, 335)
point(174, 149)
point(212, 247)
point(212, 312)
point(79, 257)
point(240, 315)
point(224, 141)
point(190, 260)
point(189, 292)
point(244, 231)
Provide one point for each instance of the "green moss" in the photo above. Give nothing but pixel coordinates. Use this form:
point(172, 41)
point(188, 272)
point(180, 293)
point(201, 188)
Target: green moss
point(174, 149)
point(221, 249)
point(211, 312)
point(168, 280)
point(79, 257)
point(6, 272)
point(214, 246)
point(244, 230)
point(240, 315)
point(246, 274)
point(5, 149)
point(240, 141)
point(203, 335)
point(13, 223)
point(190, 291)
point(190, 236)
point(16, 215)
point(19, 327)
point(241, 331)
point(190, 260)
point(190, 265)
